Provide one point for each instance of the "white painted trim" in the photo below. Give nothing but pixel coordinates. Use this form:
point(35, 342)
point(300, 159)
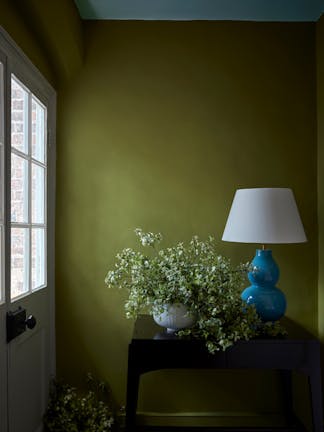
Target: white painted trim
point(15, 61)
point(2, 209)
point(51, 188)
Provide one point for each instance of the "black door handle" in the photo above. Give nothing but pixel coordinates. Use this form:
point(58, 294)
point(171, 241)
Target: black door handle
point(31, 322)
point(17, 323)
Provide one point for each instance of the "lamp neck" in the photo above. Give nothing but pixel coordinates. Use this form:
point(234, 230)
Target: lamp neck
point(263, 253)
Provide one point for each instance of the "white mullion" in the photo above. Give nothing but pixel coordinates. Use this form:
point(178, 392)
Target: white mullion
point(26, 225)
point(29, 200)
point(27, 157)
point(36, 162)
point(20, 153)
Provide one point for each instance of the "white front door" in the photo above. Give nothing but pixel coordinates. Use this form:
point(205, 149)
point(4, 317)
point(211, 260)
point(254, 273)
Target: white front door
point(27, 186)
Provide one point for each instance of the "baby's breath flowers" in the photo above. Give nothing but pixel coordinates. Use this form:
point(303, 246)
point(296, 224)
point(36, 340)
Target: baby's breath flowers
point(195, 275)
point(70, 411)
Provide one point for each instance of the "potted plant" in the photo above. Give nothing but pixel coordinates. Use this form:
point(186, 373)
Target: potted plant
point(190, 280)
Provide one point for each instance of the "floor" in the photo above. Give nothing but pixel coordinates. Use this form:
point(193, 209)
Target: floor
point(297, 428)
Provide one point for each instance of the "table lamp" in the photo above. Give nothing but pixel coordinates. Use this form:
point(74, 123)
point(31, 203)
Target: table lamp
point(264, 216)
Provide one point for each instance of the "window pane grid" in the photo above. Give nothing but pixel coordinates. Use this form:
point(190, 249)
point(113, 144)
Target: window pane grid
point(27, 157)
point(29, 274)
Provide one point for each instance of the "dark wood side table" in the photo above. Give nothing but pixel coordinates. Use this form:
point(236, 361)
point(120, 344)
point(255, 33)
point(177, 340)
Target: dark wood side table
point(152, 348)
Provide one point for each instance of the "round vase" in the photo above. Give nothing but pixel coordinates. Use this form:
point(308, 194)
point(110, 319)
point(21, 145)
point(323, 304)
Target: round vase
point(174, 317)
point(269, 301)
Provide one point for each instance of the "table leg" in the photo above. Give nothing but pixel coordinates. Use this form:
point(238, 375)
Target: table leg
point(286, 380)
point(133, 376)
point(315, 387)
point(314, 380)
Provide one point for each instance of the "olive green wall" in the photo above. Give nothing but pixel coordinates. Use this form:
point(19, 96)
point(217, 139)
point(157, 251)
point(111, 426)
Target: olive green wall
point(58, 31)
point(20, 30)
point(51, 37)
point(158, 129)
point(320, 167)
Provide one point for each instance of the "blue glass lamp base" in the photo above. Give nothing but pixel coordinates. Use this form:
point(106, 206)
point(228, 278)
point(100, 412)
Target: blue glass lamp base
point(269, 301)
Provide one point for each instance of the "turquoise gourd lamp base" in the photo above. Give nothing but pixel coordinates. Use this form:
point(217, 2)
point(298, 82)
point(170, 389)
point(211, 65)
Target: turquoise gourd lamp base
point(270, 301)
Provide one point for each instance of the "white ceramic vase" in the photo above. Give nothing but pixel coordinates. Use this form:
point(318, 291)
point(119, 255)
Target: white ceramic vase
point(174, 317)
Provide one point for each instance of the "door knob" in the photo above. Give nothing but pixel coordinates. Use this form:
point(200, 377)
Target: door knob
point(17, 323)
point(30, 322)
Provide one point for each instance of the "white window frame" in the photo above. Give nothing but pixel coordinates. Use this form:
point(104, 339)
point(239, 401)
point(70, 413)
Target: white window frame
point(29, 225)
point(19, 65)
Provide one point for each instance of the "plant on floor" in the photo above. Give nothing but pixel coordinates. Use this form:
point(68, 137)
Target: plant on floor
point(74, 411)
point(192, 274)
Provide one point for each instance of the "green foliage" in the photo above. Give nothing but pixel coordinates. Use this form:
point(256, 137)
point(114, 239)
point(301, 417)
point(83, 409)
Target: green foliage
point(197, 276)
point(70, 411)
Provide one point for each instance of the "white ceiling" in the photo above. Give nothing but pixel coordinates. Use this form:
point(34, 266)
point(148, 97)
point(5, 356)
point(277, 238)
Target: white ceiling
point(186, 10)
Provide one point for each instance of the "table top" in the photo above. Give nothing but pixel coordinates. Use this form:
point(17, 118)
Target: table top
point(146, 330)
point(153, 348)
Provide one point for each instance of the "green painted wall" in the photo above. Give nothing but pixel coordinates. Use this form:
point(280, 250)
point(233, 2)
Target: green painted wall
point(51, 37)
point(157, 129)
point(58, 31)
point(320, 167)
point(160, 126)
point(20, 30)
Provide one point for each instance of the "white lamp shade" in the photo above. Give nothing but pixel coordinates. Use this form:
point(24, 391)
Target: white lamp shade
point(265, 216)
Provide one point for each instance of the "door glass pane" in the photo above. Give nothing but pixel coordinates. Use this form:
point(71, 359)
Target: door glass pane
point(38, 257)
point(38, 194)
point(19, 189)
point(28, 191)
point(19, 117)
point(38, 128)
point(19, 261)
